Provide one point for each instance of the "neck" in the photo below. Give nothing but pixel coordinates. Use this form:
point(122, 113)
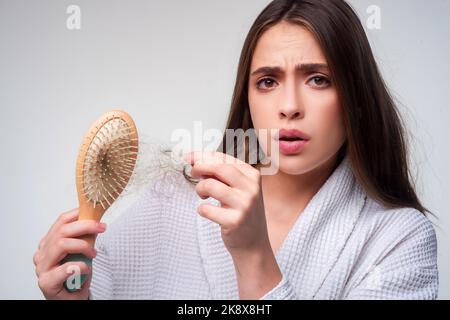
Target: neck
point(286, 195)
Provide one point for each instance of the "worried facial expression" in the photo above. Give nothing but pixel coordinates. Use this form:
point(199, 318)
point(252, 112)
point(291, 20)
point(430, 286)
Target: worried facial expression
point(290, 87)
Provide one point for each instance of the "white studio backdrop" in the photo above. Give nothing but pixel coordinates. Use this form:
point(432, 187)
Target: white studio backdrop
point(170, 63)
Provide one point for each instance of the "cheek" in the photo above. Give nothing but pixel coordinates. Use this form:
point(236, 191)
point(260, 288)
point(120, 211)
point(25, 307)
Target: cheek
point(327, 117)
point(258, 110)
point(262, 116)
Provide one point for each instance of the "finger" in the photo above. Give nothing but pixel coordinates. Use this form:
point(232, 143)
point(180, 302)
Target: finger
point(81, 227)
point(226, 173)
point(36, 264)
point(68, 216)
point(42, 242)
point(63, 218)
point(54, 279)
point(211, 157)
point(219, 157)
point(61, 248)
point(36, 257)
point(223, 217)
point(221, 192)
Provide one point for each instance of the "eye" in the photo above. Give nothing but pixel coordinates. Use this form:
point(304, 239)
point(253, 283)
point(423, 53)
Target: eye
point(267, 82)
point(319, 82)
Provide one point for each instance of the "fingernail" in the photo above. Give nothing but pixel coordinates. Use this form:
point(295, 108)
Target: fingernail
point(102, 226)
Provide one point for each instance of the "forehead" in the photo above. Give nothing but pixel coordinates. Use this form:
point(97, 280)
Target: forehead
point(287, 43)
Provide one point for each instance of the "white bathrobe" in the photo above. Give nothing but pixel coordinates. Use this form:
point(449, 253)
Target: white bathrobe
point(343, 245)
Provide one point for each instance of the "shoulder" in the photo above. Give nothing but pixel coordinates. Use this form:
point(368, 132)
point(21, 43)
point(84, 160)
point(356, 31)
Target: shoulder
point(401, 219)
point(397, 228)
point(395, 254)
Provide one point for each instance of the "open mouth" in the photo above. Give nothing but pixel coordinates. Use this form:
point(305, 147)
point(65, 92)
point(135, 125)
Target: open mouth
point(291, 139)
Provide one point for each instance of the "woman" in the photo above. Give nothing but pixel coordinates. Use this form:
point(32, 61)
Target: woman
point(339, 220)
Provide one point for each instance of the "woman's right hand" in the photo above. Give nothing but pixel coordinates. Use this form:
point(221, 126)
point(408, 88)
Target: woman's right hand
point(60, 240)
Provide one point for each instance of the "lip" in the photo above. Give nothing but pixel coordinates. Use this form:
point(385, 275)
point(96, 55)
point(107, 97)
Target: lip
point(291, 147)
point(291, 133)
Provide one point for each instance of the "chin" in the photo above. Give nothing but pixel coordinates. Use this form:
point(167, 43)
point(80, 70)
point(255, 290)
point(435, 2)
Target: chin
point(294, 164)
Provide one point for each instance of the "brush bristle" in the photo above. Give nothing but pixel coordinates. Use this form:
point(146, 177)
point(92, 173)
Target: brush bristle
point(109, 162)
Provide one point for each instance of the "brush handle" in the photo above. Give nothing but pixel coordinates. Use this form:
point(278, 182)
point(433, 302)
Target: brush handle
point(71, 284)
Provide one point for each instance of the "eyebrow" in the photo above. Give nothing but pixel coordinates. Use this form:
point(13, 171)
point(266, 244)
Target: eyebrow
point(303, 67)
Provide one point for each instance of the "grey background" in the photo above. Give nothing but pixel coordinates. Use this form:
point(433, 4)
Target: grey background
point(169, 63)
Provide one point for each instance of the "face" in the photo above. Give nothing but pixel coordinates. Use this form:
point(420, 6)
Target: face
point(295, 92)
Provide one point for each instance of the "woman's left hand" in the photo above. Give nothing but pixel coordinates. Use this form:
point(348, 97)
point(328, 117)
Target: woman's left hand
point(241, 215)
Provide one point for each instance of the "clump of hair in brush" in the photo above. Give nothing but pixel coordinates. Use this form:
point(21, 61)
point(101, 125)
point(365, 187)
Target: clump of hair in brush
point(109, 162)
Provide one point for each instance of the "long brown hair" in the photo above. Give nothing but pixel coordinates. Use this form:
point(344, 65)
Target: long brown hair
point(376, 141)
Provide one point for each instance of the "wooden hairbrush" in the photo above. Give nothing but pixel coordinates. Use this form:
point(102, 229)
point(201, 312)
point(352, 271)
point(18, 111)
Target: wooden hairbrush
point(105, 163)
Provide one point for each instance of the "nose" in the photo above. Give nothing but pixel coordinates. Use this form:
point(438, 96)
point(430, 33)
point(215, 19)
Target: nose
point(289, 113)
point(290, 106)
